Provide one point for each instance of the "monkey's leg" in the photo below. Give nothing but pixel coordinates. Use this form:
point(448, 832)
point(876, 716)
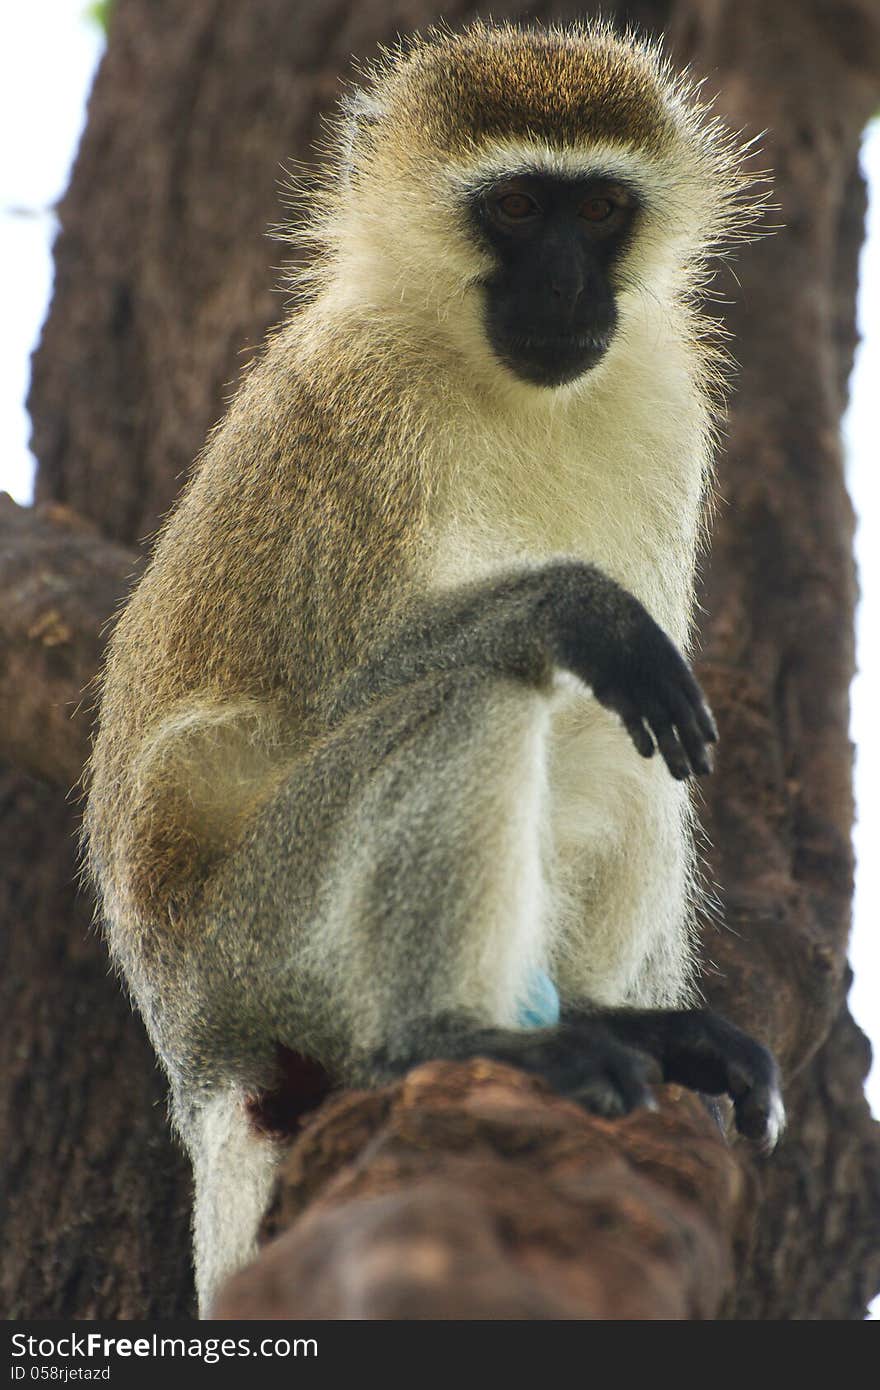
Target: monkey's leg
point(387, 903)
point(435, 899)
point(624, 848)
point(396, 876)
point(436, 904)
point(624, 860)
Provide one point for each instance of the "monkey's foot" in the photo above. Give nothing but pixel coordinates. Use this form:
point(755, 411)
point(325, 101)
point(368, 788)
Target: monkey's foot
point(583, 1061)
point(608, 1061)
point(700, 1049)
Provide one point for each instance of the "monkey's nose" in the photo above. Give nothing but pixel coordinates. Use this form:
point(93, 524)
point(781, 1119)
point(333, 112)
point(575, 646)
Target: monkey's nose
point(566, 293)
point(567, 289)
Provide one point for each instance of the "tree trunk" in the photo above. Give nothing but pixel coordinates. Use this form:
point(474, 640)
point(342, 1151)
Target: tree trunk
point(164, 286)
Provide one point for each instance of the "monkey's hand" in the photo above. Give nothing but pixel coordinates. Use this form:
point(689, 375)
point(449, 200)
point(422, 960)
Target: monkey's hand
point(614, 645)
point(700, 1049)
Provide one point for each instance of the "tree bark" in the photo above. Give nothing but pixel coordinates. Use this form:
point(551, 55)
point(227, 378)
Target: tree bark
point(489, 1195)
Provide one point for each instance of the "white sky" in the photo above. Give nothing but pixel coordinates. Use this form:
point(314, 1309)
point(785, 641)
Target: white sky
point(48, 53)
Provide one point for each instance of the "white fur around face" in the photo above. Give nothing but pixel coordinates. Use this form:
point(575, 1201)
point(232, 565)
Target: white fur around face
point(611, 470)
point(427, 262)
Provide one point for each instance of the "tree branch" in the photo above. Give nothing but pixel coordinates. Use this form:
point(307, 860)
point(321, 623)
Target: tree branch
point(471, 1191)
point(60, 582)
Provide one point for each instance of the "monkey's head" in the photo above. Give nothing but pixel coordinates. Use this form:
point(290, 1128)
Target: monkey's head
point(524, 192)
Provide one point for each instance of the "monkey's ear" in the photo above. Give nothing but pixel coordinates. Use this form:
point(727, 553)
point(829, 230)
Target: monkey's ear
point(361, 108)
point(361, 111)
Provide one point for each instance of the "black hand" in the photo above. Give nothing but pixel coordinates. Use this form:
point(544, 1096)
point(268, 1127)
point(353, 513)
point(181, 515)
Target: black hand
point(635, 670)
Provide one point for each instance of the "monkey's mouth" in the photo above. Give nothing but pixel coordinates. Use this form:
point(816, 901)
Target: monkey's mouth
point(552, 361)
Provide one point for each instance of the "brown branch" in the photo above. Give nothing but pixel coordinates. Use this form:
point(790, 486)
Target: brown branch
point(470, 1191)
point(60, 582)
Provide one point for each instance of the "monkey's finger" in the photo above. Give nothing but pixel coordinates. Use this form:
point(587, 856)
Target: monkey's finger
point(640, 735)
point(706, 719)
point(691, 733)
point(709, 1054)
point(618, 1086)
point(757, 1103)
point(637, 1070)
point(630, 1073)
point(631, 717)
point(669, 743)
point(692, 698)
point(760, 1116)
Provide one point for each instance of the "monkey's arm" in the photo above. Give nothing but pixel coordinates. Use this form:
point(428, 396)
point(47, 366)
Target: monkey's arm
point(572, 616)
point(566, 615)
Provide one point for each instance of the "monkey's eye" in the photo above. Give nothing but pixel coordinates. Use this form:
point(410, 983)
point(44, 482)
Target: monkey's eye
point(597, 209)
point(516, 207)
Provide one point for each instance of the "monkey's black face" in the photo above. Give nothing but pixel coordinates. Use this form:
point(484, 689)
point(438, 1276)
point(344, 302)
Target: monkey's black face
point(550, 305)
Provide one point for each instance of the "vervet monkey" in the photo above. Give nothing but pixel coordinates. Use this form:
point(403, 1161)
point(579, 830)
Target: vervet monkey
point(373, 781)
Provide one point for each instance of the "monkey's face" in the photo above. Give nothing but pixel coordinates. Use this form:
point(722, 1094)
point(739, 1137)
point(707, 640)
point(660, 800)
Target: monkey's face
point(528, 198)
point(550, 306)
